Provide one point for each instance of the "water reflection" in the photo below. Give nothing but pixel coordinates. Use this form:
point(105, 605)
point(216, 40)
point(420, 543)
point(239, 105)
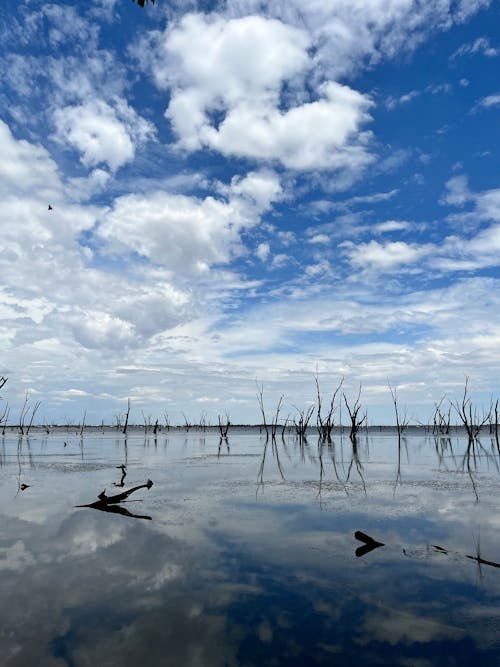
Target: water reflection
point(329, 564)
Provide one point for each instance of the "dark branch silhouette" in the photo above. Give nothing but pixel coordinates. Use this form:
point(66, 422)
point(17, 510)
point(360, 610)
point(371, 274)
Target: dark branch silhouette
point(369, 543)
point(123, 468)
point(111, 503)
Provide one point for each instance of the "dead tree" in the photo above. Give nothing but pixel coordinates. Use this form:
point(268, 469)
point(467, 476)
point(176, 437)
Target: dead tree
point(24, 428)
point(34, 410)
point(325, 424)
point(274, 421)
point(83, 423)
point(402, 419)
point(167, 420)
point(441, 420)
point(260, 398)
point(5, 418)
point(356, 421)
point(127, 414)
point(22, 416)
point(471, 418)
point(224, 426)
point(147, 421)
point(187, 425)
point(203, 422)
point(304, 417)
point(494, 426)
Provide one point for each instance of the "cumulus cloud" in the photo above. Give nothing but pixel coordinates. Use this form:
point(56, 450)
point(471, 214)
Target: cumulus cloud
point(25, 166)
point(101, 133)
point(180, 232)
point(320, 134)
point(226, 78)
point(348, 34)
point(188, 234)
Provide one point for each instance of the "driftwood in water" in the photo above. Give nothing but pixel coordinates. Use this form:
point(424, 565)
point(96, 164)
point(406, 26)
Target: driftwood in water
point(370, 544)
point(112, 503)
point(121, 483)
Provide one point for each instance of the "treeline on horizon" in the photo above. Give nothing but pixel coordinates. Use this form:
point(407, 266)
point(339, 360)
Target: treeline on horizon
point(468, 416)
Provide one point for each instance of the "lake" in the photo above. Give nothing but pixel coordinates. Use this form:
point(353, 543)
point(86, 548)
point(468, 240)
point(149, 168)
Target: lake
point(244, 553)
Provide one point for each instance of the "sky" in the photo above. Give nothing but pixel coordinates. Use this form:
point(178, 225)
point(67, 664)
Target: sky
point(247, 196)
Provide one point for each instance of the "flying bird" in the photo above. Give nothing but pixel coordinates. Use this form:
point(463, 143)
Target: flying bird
point(50, 207)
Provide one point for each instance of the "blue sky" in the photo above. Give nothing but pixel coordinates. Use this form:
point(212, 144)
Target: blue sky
point(248, 192)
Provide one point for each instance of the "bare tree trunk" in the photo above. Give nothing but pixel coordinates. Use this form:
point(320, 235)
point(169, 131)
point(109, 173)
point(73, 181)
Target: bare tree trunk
point(126, 417)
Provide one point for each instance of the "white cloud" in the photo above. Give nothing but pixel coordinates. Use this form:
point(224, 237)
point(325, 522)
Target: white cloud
point(391, 226)
point(348, 34)
point(488, 102)
point(230, 60)
point(480, 45)
point(66, 25)
point(226, 79)
point(259, 188)
point(457, 191)
point(26, 167)
point(467, 8)
point(384, 256)
point(320, 134)
point(182, 233)
point(263, 251)
point(319, 238)
point(101, 133)
point(188, 235)
point(94, 329)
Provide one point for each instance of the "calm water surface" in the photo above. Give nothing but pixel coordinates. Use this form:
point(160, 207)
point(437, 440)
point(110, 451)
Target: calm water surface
point(234, 559)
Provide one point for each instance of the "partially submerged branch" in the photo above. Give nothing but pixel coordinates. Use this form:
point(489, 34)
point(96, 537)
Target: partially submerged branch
point(112, 503)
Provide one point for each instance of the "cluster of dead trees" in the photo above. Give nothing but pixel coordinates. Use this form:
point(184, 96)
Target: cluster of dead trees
point(27, 415)
point(469, 416)
point(327, 413)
